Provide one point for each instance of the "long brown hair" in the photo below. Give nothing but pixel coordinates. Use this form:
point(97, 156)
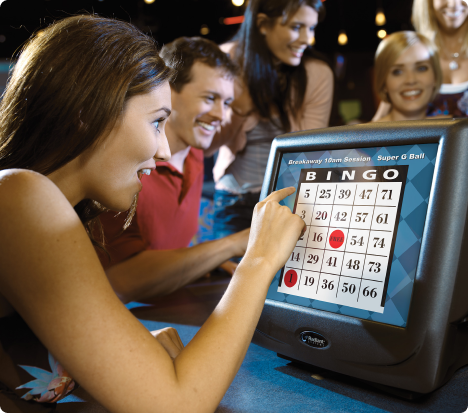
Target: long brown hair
point(275, 91)
point(67, 91)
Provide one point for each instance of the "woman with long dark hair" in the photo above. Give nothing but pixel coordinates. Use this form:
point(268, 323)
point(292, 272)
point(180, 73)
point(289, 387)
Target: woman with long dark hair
point(284, 87)
point(81, 121)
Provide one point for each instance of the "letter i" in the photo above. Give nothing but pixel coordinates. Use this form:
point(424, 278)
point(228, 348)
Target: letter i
point(329, 175)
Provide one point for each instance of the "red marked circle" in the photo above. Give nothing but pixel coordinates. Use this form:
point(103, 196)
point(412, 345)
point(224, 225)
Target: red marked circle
point(336, 239)
point(290, 278)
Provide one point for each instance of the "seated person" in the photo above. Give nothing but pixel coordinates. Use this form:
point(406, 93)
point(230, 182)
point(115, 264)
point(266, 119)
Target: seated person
point(407, 75)
point(82, 117)
point(150, 257)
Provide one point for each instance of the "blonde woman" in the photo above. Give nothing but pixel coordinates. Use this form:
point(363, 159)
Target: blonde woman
point(445, 23)
point(407, 75)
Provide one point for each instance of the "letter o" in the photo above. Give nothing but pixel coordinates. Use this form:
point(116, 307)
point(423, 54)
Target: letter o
point(386, 174)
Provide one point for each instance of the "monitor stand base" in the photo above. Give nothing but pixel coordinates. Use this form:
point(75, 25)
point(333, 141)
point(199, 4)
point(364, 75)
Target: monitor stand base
point(394, 391)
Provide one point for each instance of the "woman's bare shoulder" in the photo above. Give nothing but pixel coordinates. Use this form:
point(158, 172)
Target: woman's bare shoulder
point(20, 179)
point(27, 195)
point(25, 183)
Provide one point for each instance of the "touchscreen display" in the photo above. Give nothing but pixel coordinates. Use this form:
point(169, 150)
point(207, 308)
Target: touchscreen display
point(365, 211)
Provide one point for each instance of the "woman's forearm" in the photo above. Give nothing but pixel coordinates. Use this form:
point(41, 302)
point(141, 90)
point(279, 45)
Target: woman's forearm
point(213, 357)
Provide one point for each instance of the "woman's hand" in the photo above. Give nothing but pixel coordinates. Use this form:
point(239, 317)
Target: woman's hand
point(169, 338)
point(274, 231)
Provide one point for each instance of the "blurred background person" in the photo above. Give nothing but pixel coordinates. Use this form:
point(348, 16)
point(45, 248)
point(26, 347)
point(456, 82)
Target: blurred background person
point(283, 87)
point(445, 23)
point(407, 75)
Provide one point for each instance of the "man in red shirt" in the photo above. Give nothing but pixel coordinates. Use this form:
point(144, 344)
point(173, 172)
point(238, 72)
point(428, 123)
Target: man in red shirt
point(150, 257)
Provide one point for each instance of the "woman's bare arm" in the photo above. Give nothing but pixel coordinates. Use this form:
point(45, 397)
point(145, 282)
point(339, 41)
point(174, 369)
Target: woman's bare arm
point(52, 276)
point(318, 97)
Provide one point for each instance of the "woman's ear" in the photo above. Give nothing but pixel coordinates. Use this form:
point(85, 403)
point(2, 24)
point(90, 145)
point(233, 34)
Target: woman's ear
point(262, 19)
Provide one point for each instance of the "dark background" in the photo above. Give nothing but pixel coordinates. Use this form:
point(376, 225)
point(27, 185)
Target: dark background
point(169, 19)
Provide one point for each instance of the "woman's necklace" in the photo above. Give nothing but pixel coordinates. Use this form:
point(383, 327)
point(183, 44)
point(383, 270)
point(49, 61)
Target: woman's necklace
point(453, 64)
point(453, 57)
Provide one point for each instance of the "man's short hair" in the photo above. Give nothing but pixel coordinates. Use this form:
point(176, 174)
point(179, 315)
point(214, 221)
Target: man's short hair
point(184, 52)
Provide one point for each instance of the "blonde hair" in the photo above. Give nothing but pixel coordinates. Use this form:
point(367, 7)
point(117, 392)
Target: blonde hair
point(425, 22)
point(391, 48)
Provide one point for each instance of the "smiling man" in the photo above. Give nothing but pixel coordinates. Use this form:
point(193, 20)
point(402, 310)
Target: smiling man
point(151, 258)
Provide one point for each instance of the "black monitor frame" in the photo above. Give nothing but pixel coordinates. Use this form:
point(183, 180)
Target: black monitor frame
point(424, 355)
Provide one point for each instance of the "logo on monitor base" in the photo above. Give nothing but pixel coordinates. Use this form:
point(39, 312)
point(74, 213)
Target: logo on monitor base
point(313, 339)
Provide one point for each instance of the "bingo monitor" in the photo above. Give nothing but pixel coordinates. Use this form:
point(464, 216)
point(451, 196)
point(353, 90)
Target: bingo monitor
point(377, 277)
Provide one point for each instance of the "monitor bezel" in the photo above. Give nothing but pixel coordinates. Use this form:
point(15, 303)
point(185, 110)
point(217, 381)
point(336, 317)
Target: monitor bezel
point(432, 308)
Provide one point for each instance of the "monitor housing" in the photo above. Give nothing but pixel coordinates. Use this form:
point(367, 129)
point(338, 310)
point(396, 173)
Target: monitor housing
point(420, 350)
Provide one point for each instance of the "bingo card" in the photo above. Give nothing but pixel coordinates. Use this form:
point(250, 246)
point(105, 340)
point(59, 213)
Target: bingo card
point(345, 254)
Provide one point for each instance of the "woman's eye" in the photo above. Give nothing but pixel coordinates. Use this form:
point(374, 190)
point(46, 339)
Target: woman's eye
point(396, 72)
point(296, 28)
point(156, 124)
point(210, 98)
point(423, 68)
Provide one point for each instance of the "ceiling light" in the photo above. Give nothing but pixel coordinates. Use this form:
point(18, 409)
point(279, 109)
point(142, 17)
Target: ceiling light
point(238, 3)
point(380, 19)
point(381, 34)
point(342, 38)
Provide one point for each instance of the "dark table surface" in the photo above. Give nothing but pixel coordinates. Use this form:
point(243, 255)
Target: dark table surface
point(267, 383)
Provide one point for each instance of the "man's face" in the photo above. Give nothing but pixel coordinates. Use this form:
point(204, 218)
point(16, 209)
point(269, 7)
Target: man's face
point(200, 107)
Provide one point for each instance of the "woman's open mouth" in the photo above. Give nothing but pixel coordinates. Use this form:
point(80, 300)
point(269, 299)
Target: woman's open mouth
point(411, 94)
point(145, 171)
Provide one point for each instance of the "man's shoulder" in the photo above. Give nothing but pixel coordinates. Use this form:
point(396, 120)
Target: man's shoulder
point(197, 155)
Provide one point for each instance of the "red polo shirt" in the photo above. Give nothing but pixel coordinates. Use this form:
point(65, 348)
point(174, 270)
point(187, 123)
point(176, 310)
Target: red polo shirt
point(167, 212)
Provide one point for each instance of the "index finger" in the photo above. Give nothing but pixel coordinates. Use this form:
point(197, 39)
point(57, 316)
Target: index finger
point(280, 194)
